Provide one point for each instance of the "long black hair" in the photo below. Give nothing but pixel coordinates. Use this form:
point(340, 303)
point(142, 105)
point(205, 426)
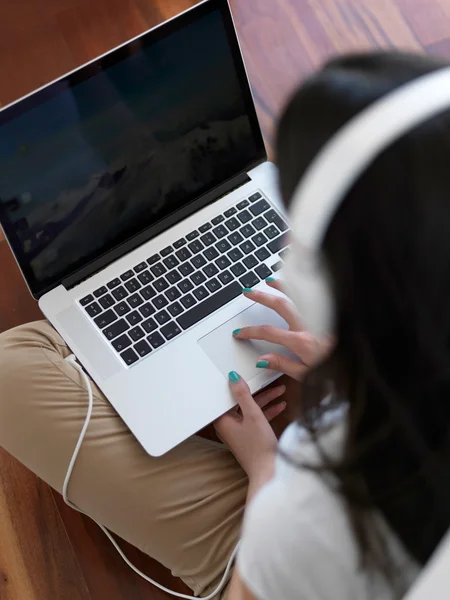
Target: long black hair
point(388, 253)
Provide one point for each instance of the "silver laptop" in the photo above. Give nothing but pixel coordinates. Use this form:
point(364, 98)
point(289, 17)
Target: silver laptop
point(137, 198)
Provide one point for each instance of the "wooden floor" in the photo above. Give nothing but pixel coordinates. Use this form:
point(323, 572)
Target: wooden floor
point(46, 550)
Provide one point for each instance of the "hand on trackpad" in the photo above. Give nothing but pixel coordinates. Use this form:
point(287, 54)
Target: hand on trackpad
point(229, 354)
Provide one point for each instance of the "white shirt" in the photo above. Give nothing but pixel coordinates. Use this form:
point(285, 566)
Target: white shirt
point(297, 541)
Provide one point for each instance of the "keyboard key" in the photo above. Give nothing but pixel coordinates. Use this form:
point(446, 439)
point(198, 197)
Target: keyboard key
point(200, 293)
point(175, 309)
point(120, 293)
point(259, 239)
point(127, 275)
point(223, 246)
point(105, 319)
point(107, 301)
point(244, 216)
point(179, 243)
point(186, 269)
point(271, 232)
point(238, 269)
point(210, 253)
point(156, 340)
point(259, 223)
point(185, 286)
point(210, 305)
point(153, 259)
point(100, 291)
point(199, 261)
point(86, 300)
point(210, 270)
point(204, 228)
point(250, 262)
point(93, 309)
point(145, 277)
point(284, 253)
point(208, 239)
point(122, 309)
point(140, 267)
point(171, 262)
point(149, 325)
point(263, 271)
point(121, 343)
point(183, 254)
point(220, 232)
point(142, 348)
point(247, 247)
point(225, 277)
point(148, 293)
point(223, 262)
point(162, 317)
point(191, 236)
point(135, 300)
point(173, 277)
point(133, 285)
point(275, 218)
point(230, 212)
point(196, 246)
point(146, 310)
point(277, 266)
point(134, 318)
point(249, 280)
point(113, 284)
point(160, 302)
point(158, 270)
point(235, 255)
point(232, 224)
point(129, 357)
point(213, 285)
point(188, 301)
point(173, 294)
point(262, 254)
point(170, 331)
point(235, 238)
point(166, 251)
point(136, 334)
point(278, 244)
point(247, 231)
point(116, 329)
point(160, 285)
point(255, 197)
point(243, 204)
point(198, 278)
point(259, 207)
point(218, 220)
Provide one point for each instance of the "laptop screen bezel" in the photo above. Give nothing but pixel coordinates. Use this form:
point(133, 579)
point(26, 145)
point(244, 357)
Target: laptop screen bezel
point(73, 276)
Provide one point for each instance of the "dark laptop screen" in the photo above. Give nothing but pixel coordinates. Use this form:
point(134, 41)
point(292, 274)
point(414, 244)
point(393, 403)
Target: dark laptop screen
point(107, 152)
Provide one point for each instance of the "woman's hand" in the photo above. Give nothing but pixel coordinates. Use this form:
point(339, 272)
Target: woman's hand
point(246, 429)
point(309, 350)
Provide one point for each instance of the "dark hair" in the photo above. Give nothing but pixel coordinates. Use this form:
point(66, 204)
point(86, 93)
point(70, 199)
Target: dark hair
point(388, 253)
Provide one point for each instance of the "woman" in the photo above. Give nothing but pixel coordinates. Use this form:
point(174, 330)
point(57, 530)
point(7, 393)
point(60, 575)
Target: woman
point(360, 497)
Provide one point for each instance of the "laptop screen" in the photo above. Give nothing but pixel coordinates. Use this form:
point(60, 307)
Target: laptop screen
point(108, 151)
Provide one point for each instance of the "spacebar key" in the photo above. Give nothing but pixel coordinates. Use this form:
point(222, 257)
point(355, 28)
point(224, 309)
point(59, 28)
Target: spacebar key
point(207, 307)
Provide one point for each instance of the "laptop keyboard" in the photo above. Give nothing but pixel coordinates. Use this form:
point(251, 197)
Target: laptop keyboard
point(173, 290)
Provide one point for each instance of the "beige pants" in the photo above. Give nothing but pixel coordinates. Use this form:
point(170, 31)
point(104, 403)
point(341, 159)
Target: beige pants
point(183, 509)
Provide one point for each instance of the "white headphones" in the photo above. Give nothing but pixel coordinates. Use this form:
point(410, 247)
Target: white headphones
point(331, 176)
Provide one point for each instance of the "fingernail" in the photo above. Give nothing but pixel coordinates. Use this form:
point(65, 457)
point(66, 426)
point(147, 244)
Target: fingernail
point(270, 279)
point(237, 331)
point(262, 364)
point(233, 377)
point(246, 290)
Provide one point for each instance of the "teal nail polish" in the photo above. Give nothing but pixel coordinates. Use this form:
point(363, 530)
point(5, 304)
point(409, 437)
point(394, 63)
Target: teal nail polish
point(262, 364)
point(270, 279)
point(233, 377)
point(246, 290)
point(237, 331)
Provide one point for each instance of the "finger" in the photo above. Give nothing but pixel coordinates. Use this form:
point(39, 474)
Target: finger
point(279, 363)
point(273, 411)
point(241, 393)
point(268, 333)
point(268, 396)
point(279, 304)
point(276, 284)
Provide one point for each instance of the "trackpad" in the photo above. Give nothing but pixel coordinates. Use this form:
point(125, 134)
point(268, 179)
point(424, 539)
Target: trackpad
point(229, 354)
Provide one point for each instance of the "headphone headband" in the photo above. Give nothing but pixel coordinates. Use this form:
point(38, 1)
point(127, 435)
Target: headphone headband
point(352, 149)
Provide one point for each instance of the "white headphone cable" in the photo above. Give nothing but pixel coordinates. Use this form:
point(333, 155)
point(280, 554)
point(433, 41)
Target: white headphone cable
point(73, 361)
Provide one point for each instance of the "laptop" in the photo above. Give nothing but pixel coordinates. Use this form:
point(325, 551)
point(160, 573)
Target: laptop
point(137, 198)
